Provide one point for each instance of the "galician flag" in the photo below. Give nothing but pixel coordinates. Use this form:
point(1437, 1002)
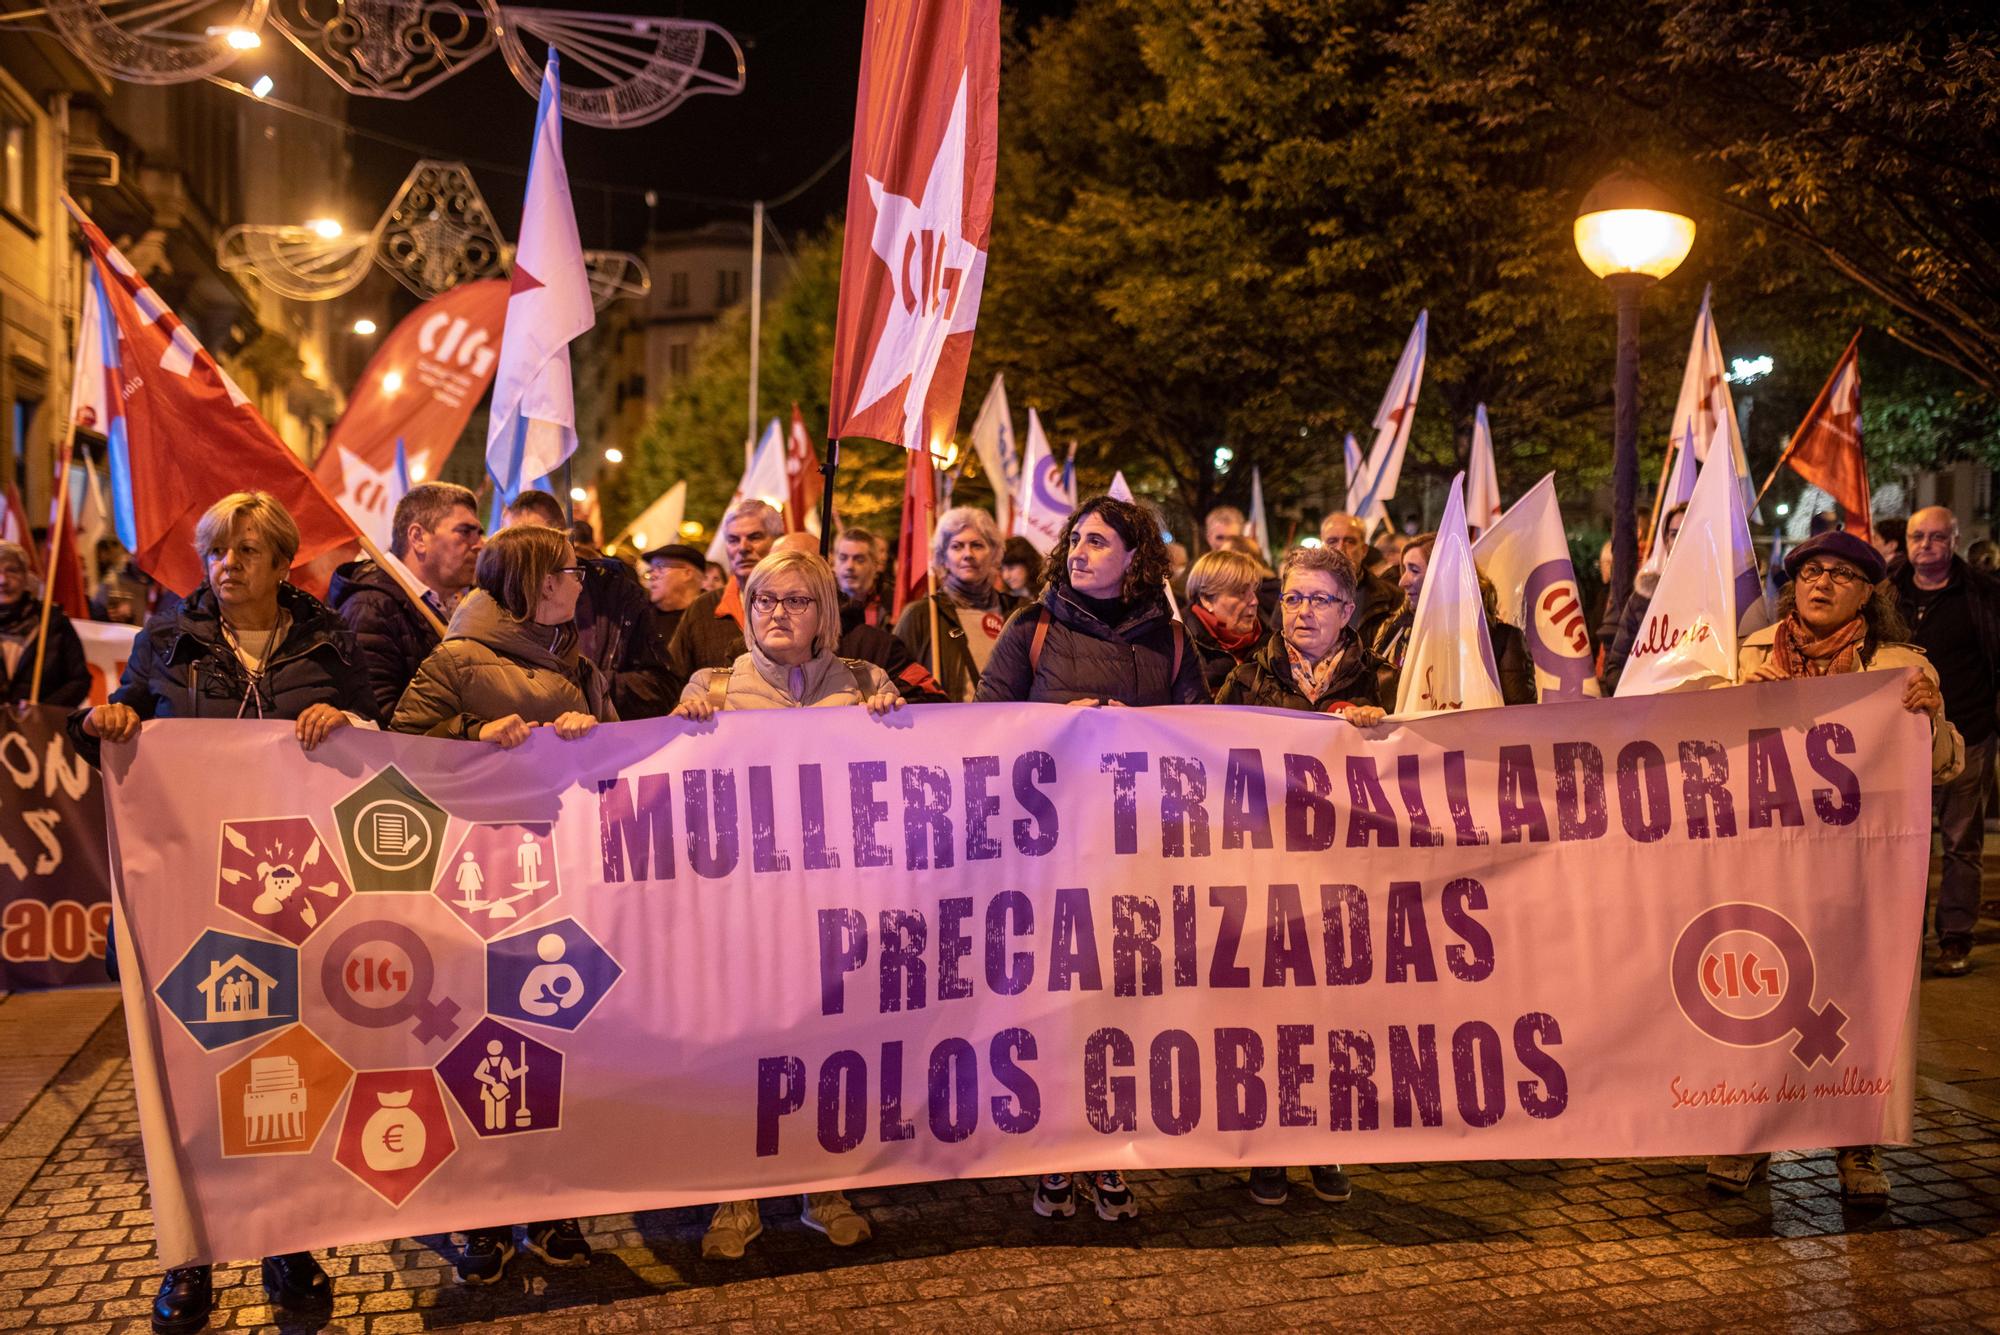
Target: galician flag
point(999, 456)
point(1482, 477)
point(1045, 499)
point(1526, 556)
point(1688, 640)
point(919, 208)
point(533, 426)
point(1384, 468)
point(1450, 660)
point(763, 479)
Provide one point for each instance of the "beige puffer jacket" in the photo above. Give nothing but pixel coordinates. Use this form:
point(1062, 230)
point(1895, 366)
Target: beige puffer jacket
point(491, 665)
point(1947, 747)
point(755, 682)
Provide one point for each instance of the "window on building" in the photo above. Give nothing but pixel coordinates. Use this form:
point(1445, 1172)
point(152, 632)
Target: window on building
point(677, 290)
point(728, 287)
point(20, 424)
point(17, 177)
point(677, 359)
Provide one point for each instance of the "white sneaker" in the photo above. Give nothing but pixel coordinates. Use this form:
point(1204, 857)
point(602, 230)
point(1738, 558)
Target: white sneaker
point(735, 1226)
point(1114, 1198)
point(829, 1212)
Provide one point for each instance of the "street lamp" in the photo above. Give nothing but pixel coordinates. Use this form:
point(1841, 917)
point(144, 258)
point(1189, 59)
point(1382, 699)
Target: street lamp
point(1630, 234)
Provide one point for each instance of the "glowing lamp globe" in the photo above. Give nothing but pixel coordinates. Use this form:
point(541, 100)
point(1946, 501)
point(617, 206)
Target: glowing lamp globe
point(1628, 225)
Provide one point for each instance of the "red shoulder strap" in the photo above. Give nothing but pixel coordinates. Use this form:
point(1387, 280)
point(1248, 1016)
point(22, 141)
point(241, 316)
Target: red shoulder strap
point(1041, 638)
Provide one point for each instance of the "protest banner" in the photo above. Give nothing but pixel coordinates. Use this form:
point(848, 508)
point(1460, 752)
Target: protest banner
point(55, 886)
point(402, 985)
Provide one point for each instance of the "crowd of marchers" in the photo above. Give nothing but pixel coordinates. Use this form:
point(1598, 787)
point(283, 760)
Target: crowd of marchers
point(533, 627)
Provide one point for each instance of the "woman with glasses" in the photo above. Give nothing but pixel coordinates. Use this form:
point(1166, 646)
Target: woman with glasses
point(1317, 664)
point(509, 664)
point(792, 662)
point(1836, 615)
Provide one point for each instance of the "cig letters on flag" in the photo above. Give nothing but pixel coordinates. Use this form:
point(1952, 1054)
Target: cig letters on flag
point(1689, 637)
point(1046, 499)
point(533, 427)
point(919, 209)
point(1450, 660)
point(1526, 556)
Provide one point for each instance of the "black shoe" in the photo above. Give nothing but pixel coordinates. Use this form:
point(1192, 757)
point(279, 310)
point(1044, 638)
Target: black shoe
point(186, 1297)
point(1954, 957)
point(559, 1242)
point(484, 1258)
point(1268, 1186)
point(1330, 1184)
point(295, 1281)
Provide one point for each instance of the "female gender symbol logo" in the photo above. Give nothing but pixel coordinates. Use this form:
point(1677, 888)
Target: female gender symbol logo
point(1696, 975)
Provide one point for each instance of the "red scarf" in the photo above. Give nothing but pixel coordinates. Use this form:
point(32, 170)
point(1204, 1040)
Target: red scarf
point(1238, 647)
point(1801, 654)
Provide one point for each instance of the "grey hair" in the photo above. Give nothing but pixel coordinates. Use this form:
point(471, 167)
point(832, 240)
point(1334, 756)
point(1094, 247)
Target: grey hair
point(955, 521)
point(258, 511)
point(1326, 560)
point(763, 511)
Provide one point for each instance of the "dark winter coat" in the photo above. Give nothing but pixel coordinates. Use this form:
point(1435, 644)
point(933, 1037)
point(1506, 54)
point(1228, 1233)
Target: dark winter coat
point(1265, 679)
point(958, 675)
point(65, 670)
point(1377, 602)
point(1982, 602)
point(1082, 658)
point(1510, 656)
point(616, 629)
point(393, 636)
point(491, 665)
point(182, 667)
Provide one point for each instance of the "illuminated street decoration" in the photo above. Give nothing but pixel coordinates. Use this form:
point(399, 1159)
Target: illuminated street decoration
point(158, 41)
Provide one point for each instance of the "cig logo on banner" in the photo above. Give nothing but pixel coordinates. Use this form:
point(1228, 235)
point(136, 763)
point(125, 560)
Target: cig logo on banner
point(1743, 975)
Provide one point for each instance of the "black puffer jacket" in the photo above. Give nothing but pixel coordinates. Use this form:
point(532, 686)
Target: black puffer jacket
point(1360, 678)
point(1377, 602)
point(615, 629)
point(393, 636)
point(1510, 656)
point(181, 667)
point(1083, 657)
point(65, 669)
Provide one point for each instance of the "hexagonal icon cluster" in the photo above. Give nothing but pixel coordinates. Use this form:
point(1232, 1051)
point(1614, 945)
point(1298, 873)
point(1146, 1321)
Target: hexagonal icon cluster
point(553, 975)
point(500, 873)
point(279, 875)
point(279, 1099)
point(396, 1132)
point(227, 988)
point(391, 834)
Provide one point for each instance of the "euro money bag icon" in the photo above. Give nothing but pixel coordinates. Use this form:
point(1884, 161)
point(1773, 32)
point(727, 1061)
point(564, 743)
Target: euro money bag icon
point(394, 1136)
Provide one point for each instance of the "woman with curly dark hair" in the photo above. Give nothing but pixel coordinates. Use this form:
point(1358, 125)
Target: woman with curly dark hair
point(1101, 633)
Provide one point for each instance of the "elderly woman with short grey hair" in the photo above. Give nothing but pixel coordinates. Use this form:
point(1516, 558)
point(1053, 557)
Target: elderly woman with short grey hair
point(971, 604)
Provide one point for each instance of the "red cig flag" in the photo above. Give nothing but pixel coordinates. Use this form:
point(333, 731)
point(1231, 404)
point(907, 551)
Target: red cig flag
point(919, 209)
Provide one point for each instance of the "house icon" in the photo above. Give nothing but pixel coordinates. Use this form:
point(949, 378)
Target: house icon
point(235, 989)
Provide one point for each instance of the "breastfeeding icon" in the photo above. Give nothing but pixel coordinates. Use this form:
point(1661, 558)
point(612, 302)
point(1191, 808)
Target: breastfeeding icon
point(554, 975)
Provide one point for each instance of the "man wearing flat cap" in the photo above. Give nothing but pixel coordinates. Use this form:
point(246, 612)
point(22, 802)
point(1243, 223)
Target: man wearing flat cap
point(1953, 612)
point(672, 576)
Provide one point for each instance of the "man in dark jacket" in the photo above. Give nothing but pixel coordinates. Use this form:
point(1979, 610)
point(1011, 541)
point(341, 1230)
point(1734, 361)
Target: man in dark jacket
point(437, 535)
point(858, 572)
point(1953, 612)
point(613, 616)
point(672, 576)
point(711, 631)
point(1377, 601)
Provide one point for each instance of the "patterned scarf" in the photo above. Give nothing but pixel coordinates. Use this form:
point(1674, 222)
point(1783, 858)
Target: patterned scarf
point(1314, 680)
point(1800, 654)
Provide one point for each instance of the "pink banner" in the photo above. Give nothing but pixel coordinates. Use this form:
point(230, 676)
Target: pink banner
point(405, 986)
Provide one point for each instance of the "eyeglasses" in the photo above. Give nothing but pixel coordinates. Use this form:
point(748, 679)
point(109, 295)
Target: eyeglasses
point(1842, 576)
point(797, 604)
point(571, 570)
point(1318, 602)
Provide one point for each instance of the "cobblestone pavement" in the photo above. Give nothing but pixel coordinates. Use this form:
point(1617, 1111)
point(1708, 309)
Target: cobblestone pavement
point(1596, 1247)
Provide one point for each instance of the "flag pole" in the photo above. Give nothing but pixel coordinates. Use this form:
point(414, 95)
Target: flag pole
point(55, 548)
point(1818, 402)
point(930, 575)
point(827, 471)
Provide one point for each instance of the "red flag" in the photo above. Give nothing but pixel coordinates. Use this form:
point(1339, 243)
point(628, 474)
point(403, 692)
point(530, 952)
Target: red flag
point(66, 585)
point(421, 385)
point(913, 548)
point(14, 528)
point(189, 436)
point(1826, 449)
point(803, 483)
point(919, 208)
